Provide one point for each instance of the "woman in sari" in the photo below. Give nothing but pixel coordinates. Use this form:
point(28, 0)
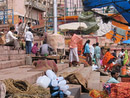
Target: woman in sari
point(126, 58)
point(35, 48)
point(108, 60)
point(102, 55)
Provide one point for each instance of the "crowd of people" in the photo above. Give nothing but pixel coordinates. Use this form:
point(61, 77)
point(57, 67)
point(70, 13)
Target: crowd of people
point(11, 38)
point(102, 57)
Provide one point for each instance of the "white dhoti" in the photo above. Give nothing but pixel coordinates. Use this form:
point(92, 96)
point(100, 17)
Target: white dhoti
point(73, 56)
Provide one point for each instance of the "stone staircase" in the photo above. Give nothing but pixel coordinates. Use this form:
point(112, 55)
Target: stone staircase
point(11, 58)
point(4, 26)
point(93, 78)
point(12, 65)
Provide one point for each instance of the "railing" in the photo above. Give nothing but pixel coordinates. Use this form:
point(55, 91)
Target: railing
point(35, 4)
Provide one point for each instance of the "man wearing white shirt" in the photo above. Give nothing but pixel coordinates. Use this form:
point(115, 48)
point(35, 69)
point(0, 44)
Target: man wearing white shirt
point(29, 40)
point(11, 40)
point(121, 55)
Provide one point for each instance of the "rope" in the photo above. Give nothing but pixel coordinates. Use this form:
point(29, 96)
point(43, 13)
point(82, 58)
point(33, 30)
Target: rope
point(22, 89)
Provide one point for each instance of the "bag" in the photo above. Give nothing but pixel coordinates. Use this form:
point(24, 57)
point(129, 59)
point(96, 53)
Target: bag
point(107, 88)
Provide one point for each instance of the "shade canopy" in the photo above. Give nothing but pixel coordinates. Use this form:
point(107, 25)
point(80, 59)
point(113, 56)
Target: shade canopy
point(73, 26)
point(122, 6)
point(126, 42)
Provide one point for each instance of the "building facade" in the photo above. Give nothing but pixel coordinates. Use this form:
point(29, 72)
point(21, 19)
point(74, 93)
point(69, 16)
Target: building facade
point(19, 9)
point(73, 7)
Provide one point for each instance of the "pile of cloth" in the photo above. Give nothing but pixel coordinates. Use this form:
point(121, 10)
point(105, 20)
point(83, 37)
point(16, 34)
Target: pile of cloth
point(76, 78)
point(43, 65)
point(22, 89)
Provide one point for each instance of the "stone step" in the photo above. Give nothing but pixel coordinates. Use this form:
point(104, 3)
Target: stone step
point(103, 80)
point(94, 80)
point(92, 77)
point(71, 69)
point(62, 66)
point(6, 57)
point(85, 95)
point(17, 57)
point(11, 63)
point(12, 52)
point(75, 91)
point(86, 71)
point(4, 48)
point(20, 73)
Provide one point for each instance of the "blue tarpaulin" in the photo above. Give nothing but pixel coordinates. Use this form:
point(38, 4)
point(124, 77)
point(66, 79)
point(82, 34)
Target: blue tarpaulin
point(122, 6)
point(126, 42)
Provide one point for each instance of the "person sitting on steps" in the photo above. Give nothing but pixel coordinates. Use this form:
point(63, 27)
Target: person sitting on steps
point(11, 40)
point(45, 49)
point(113, 78)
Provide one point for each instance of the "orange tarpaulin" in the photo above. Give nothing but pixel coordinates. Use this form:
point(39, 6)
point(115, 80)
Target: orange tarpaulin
point(118, 37)
point(119, 18)
point(68, 18)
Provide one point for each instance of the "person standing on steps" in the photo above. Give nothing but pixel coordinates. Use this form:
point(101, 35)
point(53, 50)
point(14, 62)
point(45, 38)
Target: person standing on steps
point(73, 55)
point(27, 27)
point(29, 40)
point(102, 55)
point(92, 51)
point(97, 53)
point(87, 52)
point(121, 55)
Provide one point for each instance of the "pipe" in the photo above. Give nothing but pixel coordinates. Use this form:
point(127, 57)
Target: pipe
point(55, 16)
